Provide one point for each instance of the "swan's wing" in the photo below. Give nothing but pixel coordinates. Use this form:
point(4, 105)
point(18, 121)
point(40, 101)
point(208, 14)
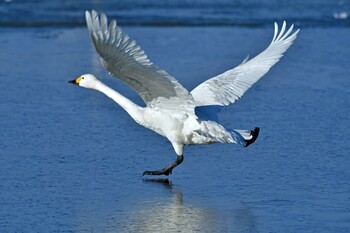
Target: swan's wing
point(226, 88)
point(124, 59)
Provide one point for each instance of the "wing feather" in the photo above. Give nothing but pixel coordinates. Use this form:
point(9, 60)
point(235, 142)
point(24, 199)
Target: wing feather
point(124, 59)
point(229, 86)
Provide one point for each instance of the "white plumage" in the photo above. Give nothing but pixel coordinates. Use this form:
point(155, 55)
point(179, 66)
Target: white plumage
point(227, 87)
point(124, 59)
point(171, 110)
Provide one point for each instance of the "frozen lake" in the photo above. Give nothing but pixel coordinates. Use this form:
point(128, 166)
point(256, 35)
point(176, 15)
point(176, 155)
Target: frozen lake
point(71, 159)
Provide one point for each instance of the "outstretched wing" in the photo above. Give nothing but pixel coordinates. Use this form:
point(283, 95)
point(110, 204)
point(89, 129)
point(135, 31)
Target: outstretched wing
point(124, 59)
point(227, 87)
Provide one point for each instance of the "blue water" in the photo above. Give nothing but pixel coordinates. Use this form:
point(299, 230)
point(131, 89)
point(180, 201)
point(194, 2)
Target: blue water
point(71, 160)
point(184, 12)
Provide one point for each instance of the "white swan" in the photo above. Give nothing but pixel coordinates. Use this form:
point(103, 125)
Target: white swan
point(184, 118)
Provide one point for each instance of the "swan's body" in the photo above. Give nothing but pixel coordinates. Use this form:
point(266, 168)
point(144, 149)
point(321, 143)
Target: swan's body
point(171, 110)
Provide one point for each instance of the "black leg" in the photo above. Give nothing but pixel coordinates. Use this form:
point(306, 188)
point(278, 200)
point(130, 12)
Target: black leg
point(167, 170)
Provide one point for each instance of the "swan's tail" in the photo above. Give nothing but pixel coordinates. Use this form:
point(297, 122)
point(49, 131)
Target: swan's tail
point(245, 137)
point(214, 132)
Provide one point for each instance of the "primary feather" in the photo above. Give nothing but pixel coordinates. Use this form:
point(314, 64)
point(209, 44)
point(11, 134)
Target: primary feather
point(227, 87)
point(124, 59)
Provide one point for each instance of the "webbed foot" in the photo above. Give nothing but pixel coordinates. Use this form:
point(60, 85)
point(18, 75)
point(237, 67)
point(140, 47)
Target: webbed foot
point(255, 134)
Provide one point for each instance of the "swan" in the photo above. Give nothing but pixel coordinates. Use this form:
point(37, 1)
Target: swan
point(183, 117)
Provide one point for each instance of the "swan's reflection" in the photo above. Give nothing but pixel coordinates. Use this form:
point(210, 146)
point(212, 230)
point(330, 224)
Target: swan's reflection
point(171, 216)
point(170, 211)
point(178, 216)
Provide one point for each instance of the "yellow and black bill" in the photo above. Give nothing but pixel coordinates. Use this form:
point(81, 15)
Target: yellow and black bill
point(75, 81)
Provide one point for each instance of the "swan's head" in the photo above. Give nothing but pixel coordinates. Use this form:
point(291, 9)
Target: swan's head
point(86, 80)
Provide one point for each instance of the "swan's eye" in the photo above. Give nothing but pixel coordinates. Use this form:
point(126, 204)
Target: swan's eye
point(82, 77)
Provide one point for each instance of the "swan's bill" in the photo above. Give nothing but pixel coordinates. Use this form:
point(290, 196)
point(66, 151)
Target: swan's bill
point(76, 81)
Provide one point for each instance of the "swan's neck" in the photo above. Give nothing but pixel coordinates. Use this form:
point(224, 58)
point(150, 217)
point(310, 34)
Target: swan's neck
point(130, 107)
